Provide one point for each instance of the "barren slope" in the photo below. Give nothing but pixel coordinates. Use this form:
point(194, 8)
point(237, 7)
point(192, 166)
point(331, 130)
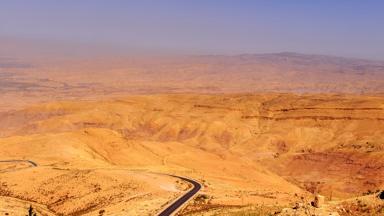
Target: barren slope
point(244, 148)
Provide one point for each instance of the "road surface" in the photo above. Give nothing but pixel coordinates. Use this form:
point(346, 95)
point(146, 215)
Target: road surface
point(171, 209)
point(19, 161)
point(174, 207)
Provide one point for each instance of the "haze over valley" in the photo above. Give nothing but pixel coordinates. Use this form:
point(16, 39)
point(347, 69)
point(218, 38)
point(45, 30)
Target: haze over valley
point(191, 108)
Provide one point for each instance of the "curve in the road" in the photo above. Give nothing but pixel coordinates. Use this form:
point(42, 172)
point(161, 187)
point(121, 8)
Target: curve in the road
point(171, 209)
point(175, 206)
point(13, 161)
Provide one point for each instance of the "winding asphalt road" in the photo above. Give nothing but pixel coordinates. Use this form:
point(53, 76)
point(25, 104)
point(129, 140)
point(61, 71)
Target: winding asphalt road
point(19, 161)
point(175, 206)
point(170, 210)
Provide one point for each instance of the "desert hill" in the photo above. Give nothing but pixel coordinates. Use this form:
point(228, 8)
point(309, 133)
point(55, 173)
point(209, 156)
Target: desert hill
point(246, 148)
point(254, 129)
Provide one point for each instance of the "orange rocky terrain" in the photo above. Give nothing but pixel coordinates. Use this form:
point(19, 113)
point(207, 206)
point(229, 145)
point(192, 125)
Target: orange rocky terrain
point(246, 149)
point(262, 134)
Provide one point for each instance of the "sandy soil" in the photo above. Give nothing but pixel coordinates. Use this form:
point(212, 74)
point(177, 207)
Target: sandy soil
point(245, 149)
point(260, 132)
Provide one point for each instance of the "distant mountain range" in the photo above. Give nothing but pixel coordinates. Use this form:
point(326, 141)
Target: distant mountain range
point(248, 73)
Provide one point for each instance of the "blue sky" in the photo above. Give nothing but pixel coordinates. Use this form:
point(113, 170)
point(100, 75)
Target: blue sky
point(336, 27)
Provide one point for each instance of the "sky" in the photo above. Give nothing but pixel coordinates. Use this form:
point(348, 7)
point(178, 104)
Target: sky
point(351, 28)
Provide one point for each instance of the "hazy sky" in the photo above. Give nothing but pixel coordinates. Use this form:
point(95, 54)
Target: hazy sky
point(337, 27)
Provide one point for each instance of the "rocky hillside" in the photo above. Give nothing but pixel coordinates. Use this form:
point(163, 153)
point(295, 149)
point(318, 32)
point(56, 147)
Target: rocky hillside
point(320, 143)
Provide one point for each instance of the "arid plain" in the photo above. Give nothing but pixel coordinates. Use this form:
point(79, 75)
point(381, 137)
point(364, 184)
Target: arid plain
point(262, 133)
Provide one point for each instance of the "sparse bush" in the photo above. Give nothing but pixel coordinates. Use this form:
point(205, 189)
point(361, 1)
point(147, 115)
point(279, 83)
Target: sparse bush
point(101, 212)
point(202, 198)
point(381, 195)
